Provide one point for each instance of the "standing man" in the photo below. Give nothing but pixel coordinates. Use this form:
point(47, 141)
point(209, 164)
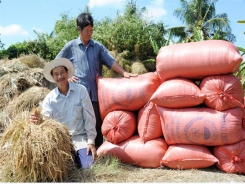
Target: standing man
point(70, 104)
point(88, 57)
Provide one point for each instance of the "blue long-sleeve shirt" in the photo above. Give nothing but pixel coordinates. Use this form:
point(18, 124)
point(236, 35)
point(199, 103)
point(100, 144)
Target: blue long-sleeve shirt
point(88, 62)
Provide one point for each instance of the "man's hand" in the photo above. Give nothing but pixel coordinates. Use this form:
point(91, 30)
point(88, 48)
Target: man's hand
point(92, 148)
point(33, 118)
point(127, 75)
point(115, 66)
point(73, 79)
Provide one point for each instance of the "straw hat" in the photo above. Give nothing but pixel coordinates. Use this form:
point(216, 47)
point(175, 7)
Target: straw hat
point(55, 63)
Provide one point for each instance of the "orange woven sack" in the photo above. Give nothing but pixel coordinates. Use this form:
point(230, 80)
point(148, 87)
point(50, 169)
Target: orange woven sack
point(118, 126)
point(133, 152)
point(202, 126)
point(222, 92)
point(126, 93)
point(231, 157)
point(177, 93)
point(184, 156)
point(149, 123)
point(196, 60)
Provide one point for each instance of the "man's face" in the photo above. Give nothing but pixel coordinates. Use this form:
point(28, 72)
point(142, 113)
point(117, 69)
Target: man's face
point(60, 74)
point(86, 33)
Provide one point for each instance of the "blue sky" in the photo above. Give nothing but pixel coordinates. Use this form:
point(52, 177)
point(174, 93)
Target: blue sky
point(18, 18)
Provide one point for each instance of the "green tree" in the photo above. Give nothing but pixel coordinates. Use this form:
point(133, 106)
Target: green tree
point(64, 31)
point(241, 71)
point(14, 51)
point(131, 32)
point(1, 44)
point(44, 48)
point(201, 22)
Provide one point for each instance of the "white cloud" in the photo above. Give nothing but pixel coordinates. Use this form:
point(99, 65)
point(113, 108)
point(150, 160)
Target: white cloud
point(39, 30)
point(13, 29)
point(93, 3)
point(157, 2)
point(157, 12)
point(156, 9)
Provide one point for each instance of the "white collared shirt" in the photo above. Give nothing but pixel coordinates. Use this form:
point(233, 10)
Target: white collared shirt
point(75, 111)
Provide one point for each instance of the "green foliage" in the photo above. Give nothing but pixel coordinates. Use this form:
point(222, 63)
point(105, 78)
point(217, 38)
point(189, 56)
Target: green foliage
point(15, 50)
point(3, 54)
point(27, 47)
point(42, 43)
point(130, 32)
point(202, 23)
point(150, 64)
point(241, 72)
point(242, 50)
point(64, 30)
point(1, 44)
point(241, 22)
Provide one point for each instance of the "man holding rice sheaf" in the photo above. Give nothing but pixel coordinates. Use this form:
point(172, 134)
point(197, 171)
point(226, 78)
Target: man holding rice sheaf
point(69, 103)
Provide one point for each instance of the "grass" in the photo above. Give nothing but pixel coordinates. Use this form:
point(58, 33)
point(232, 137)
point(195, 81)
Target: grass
point(108, 169)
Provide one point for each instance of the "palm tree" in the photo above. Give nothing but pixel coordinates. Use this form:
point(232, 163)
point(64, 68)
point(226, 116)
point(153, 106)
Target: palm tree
point(201, 22)
point(1, 44)
point(241, 70)
point(242, 50)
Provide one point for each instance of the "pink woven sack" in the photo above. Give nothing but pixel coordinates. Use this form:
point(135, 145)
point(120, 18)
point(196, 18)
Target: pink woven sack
point(231, 157)
point(184, 156)
point(177, 93)
point(119, 126)
point(129, 94)
point(202, 126)
point(149, 123)
point(133, 152)
point(222, 92)
point(196, 60)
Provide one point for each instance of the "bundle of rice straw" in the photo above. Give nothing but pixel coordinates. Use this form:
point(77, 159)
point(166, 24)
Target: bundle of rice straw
point(138, 68)
point(41, 152)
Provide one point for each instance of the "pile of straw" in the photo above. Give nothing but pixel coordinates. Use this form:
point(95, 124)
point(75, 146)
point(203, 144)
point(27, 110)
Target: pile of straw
point(27, 100)
point(32, 61)
point(41, 152)
point(138, 68)
point(16, 77)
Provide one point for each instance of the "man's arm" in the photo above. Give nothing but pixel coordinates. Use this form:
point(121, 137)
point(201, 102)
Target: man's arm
point(90, 124)
point(115, 66)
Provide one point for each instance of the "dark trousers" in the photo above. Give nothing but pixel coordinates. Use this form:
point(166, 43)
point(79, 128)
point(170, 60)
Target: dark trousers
point(99, 138)
point(83, 160)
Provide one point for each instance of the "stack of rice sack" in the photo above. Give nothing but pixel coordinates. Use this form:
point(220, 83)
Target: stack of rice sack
point(202, 122)
point(120, 100)
point(165, 118)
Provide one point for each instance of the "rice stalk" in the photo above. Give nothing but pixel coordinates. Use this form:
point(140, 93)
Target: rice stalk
point(36, 152)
